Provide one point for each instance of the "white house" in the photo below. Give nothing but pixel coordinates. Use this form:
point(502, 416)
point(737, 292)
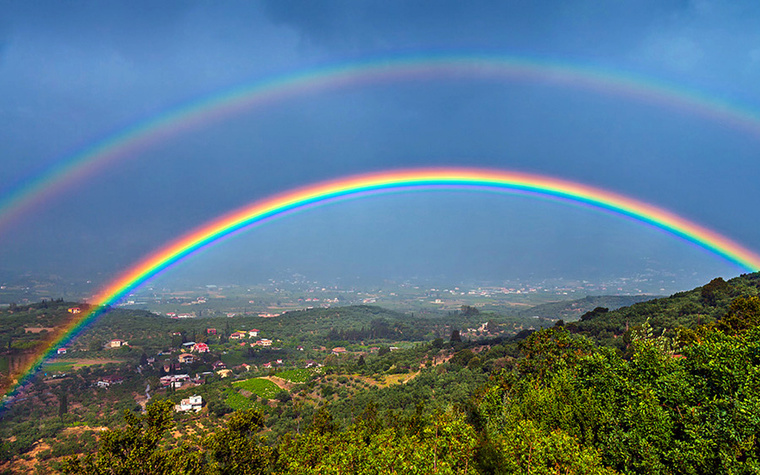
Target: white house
point(193, 403)
point(108, 381)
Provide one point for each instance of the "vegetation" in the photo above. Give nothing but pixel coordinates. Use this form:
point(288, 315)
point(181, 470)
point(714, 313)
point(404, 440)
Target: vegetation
point(675, 389)
point(295, 375)
point(259, 386)
point(573, 309)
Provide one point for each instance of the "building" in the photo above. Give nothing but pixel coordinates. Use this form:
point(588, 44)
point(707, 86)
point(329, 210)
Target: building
point(237, 335)
point(186, 358)
point(201, 348)
point(175, 380)
point(193, 403)
point(338, 350)
point(107, 381)
point(210, 331)
point(253, 333)
point(263, 342)
point(117, 343)
point(218, 365)
point(61, 351)
point(75, 310)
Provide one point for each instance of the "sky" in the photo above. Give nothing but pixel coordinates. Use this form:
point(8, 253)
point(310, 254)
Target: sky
point(73, 73)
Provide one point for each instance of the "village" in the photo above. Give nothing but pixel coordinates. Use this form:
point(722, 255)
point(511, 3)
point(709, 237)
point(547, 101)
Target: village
point(191, 364)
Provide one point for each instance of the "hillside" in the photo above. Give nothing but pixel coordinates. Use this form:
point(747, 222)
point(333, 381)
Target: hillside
point(570, 398)
point(571, 310)
point(702, 305)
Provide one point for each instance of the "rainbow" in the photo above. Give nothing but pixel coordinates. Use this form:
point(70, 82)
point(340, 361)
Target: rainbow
point(128, 142)
point(263, 211)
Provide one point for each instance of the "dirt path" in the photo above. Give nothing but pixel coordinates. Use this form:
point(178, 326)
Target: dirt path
point(79, 362)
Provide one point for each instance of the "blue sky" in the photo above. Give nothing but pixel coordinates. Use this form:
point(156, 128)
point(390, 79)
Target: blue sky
point(73, 72)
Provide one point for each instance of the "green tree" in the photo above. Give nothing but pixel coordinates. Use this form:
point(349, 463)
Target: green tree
point(743, 314)
point(133, 449)
point(95, 345)
point(235, 449)
point(714, 291)
point(63, 403)
point(594, 313)
point(469, 311)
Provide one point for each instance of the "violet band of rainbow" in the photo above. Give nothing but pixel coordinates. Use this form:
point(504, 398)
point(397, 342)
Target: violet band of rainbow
point(129, 141)
point(394, 181)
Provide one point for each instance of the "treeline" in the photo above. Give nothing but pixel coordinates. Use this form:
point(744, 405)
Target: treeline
point(378, 329)
point(339, 325)
point(15, 319)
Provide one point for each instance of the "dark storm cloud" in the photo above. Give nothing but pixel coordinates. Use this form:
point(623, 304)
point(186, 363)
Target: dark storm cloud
point(129, 25)
point(522, 25)
point(705, 43)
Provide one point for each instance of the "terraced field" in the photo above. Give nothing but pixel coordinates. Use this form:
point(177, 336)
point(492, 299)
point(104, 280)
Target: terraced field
point(259, 386)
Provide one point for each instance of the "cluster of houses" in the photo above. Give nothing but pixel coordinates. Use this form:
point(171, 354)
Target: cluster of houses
point(176, 316)
point(277, 362)
point(196, 347)
point(116, 343)
point(240, 335)
point(176, 381)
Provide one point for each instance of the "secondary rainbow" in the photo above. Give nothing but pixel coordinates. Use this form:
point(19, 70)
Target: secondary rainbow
point(281, 205)
point(129, 141)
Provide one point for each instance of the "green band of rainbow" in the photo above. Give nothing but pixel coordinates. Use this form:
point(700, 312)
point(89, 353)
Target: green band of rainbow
point(400, 180)
point(127, 142)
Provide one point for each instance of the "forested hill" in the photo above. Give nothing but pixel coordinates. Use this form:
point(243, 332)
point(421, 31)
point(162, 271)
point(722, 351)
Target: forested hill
point(570, 310)
point(667, 386)
point(703, 305)
point(682, 398)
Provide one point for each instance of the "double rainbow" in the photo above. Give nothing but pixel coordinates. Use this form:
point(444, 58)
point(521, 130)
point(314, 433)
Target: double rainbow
point(357, 186)
point(128, 142)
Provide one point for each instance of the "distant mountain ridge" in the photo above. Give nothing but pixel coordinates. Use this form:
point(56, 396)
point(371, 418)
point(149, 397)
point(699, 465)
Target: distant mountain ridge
point(688, 309)
point(571, 310)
